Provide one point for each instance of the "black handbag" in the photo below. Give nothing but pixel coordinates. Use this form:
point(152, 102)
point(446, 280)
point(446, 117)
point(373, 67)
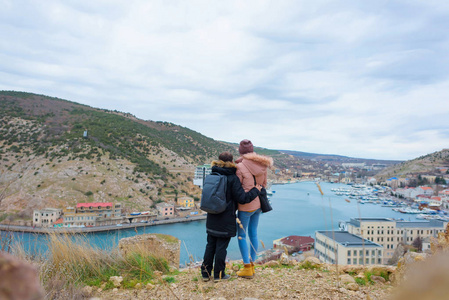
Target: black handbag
point(265, 205)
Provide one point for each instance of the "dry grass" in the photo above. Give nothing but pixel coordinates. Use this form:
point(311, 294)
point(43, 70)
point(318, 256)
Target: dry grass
point(71, 263)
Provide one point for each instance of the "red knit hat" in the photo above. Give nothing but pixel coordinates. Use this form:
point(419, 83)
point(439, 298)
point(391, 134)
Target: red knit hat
point(246, 147)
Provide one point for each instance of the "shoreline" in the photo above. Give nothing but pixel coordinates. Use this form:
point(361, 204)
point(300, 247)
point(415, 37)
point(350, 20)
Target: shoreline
point(77, 230)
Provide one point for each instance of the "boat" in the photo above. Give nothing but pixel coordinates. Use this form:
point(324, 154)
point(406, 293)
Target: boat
point(145, 213)
point(135, 214)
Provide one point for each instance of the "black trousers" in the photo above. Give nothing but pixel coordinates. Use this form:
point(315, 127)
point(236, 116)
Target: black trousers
point(216, 247)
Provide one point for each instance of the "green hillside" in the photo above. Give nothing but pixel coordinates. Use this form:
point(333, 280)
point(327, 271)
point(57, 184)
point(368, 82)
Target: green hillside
point(47, 161)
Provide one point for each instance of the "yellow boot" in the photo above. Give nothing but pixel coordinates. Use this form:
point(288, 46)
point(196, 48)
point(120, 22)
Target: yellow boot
point(246, 272)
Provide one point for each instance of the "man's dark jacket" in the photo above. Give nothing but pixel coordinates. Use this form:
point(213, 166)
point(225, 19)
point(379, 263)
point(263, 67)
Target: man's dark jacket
point(224, 224)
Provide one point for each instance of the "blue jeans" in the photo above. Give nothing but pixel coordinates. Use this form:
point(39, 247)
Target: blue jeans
point(249, 221)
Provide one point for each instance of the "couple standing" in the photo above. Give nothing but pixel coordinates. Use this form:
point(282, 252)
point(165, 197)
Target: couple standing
point(245, 179)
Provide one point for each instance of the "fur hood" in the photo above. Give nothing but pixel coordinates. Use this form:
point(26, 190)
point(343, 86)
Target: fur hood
point(223, 164)
point(257, 158)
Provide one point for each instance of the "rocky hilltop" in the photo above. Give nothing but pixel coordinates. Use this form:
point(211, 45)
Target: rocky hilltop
point(423, 165)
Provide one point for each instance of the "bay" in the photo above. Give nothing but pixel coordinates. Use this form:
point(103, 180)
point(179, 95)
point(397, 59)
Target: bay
point(298, 209)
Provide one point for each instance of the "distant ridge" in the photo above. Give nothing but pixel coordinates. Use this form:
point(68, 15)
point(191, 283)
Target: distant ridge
point(338, 159)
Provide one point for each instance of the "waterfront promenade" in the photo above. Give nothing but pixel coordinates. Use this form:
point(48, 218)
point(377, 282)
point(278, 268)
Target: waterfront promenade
point(73, 230)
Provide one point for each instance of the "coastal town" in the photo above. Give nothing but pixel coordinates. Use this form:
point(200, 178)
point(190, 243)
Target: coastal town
point(358, 241)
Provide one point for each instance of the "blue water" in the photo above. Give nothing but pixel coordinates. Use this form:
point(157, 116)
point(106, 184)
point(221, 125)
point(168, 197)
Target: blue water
point(298, 209)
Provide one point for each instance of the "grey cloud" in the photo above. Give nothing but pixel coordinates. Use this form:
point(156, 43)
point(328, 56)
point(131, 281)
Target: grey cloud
point(362, 78)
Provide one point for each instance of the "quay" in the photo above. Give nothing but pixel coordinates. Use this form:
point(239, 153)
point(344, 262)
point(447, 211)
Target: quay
point(74, 230)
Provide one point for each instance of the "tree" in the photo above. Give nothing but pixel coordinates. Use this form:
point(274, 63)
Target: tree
point(417, 243)
point(440, 180)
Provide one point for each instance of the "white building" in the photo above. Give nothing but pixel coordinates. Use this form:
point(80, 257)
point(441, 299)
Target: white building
point(200, 174)
point(389, 233)
point(344, 248)
point(353, 165)
point(45, 217)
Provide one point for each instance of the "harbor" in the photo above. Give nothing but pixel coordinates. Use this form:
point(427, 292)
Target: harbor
point(378, 195)
point(298, 209)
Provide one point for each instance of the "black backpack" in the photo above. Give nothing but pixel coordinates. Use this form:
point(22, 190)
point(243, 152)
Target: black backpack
point(213, 196)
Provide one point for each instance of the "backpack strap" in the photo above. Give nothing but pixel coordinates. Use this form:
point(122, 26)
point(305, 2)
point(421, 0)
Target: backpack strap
point(255, 183)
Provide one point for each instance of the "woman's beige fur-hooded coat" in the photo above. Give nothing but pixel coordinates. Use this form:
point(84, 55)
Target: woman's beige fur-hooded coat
point(248, 165)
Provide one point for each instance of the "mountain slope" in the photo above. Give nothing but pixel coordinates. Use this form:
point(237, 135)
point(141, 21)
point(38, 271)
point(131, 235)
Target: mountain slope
point(426, 164)
point(45, 159)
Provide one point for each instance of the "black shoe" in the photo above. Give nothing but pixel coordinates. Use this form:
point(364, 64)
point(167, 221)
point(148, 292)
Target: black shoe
point(225, 277)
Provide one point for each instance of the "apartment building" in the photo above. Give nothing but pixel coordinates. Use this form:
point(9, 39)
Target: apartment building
point(93, 214)
point(344, 248)
point(186, 202)
point(101, 209)
point(46, 217)
point(165, 209)
point(200, 174)
point(80, 219)
point(389, 232)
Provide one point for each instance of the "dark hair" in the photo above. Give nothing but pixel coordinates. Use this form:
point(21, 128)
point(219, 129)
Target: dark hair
point(225, 156)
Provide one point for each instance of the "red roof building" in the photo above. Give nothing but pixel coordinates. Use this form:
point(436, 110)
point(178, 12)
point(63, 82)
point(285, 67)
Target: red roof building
point(98, 205)
point(295, 243)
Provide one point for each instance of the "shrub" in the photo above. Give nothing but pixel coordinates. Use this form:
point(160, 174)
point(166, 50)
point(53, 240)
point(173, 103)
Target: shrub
point(360, 281)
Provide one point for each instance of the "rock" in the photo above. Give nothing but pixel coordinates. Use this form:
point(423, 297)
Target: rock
point(19, 279)
point(398, 254)
point(157, 245)
point(138, 285)
point(149, 286)
point(116, 280)
point(312, 260)
point(157, 273)
point(115, 290)
point(345, 279)
point(441, 243)
point(352, 286)
point(87, 291)
point(427, 279)
point(271, 263)
point(284, 260)
point(318, 275)
point(353, 269)
point(378, 279)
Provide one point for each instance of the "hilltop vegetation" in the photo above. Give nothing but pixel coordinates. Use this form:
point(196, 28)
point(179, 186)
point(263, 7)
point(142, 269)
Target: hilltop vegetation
point(46, 161)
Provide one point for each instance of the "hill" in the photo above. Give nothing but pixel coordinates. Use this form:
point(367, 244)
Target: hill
point(338, 159)
point(55, 153)
point(429, 164)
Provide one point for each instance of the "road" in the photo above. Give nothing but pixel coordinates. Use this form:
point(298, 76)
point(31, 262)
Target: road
point(98, 228)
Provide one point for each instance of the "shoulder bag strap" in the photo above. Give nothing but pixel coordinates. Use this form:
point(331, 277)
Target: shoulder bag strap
point(255, 183)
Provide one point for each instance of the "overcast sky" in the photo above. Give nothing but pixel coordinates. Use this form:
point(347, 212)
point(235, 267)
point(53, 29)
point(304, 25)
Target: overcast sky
point(365, 79)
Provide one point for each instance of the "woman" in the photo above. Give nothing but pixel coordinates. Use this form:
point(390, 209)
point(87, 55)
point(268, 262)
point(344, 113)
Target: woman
point(221, 227)
point(251, 170)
